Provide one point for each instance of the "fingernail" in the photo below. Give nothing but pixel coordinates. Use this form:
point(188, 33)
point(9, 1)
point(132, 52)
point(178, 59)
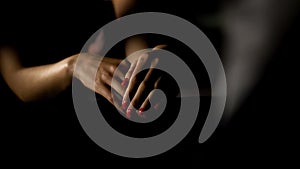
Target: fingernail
point(124, 82)
point(124, 105)
point(141, 110)
point(128, 113)
point(156, 106)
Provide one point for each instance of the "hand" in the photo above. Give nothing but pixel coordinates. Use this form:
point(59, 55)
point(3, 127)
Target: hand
point(105, 68)
point(141, 84)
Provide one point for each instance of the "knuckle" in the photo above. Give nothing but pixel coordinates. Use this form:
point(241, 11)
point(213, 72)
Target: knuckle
point(155, 61)
point(110, 98)
point(112, 68)
point(97, 80)
point(103, 76)
point(99, 90)
point(144, 57)
point(101, 69)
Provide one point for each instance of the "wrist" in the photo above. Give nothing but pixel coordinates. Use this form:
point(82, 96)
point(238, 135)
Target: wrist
point(70, 64)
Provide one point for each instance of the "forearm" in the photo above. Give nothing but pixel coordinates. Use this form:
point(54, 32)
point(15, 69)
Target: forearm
point(43, 81)
point(134, 43)
point(122, 7)
point(38, 82)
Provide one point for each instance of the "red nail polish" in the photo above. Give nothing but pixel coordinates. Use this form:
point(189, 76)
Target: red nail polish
point(124, 82)
point(124, 105)
point(141, 110)
point(156, 106)
point(128, 113)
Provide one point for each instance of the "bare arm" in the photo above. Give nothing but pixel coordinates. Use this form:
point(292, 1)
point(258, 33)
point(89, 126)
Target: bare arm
point(35, 83)
point(134, 43)
point(46, 81)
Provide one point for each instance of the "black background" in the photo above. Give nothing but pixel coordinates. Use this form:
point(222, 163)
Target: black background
point(262, 131)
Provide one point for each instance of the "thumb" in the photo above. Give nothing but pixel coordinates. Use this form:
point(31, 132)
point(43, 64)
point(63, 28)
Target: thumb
point(159, 47)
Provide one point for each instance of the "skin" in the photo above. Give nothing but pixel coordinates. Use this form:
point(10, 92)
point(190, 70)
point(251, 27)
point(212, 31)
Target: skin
point(35, 83)
point(103, 82)
point(140, 88)
point(46, 81)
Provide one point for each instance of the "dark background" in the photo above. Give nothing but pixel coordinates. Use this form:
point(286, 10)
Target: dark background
point(263, 129)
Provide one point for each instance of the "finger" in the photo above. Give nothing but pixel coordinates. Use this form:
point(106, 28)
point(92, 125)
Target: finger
point(118, 75)
point(141, 94)
point(133, 82)
point(105, 91)
point(116, 68)
point(146, 85)
point(108, 71)
point(109, 95)
point(117, 100)
point(146, 104)
point(106, 78)
point(129, 111)
point(113, 63)
point(124, 65)
point(151, 75)
point(159, 47)
point(117, 87)
point(152, 104)
point(128, 74)
point(141, 62)
point(133, 65)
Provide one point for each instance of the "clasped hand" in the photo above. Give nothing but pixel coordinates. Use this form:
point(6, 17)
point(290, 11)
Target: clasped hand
point(111, 77)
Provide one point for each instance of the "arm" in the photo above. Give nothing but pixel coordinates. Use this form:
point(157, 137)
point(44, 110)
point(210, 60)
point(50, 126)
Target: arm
point(35, 83)
point(135, 43)
point(46, 81)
